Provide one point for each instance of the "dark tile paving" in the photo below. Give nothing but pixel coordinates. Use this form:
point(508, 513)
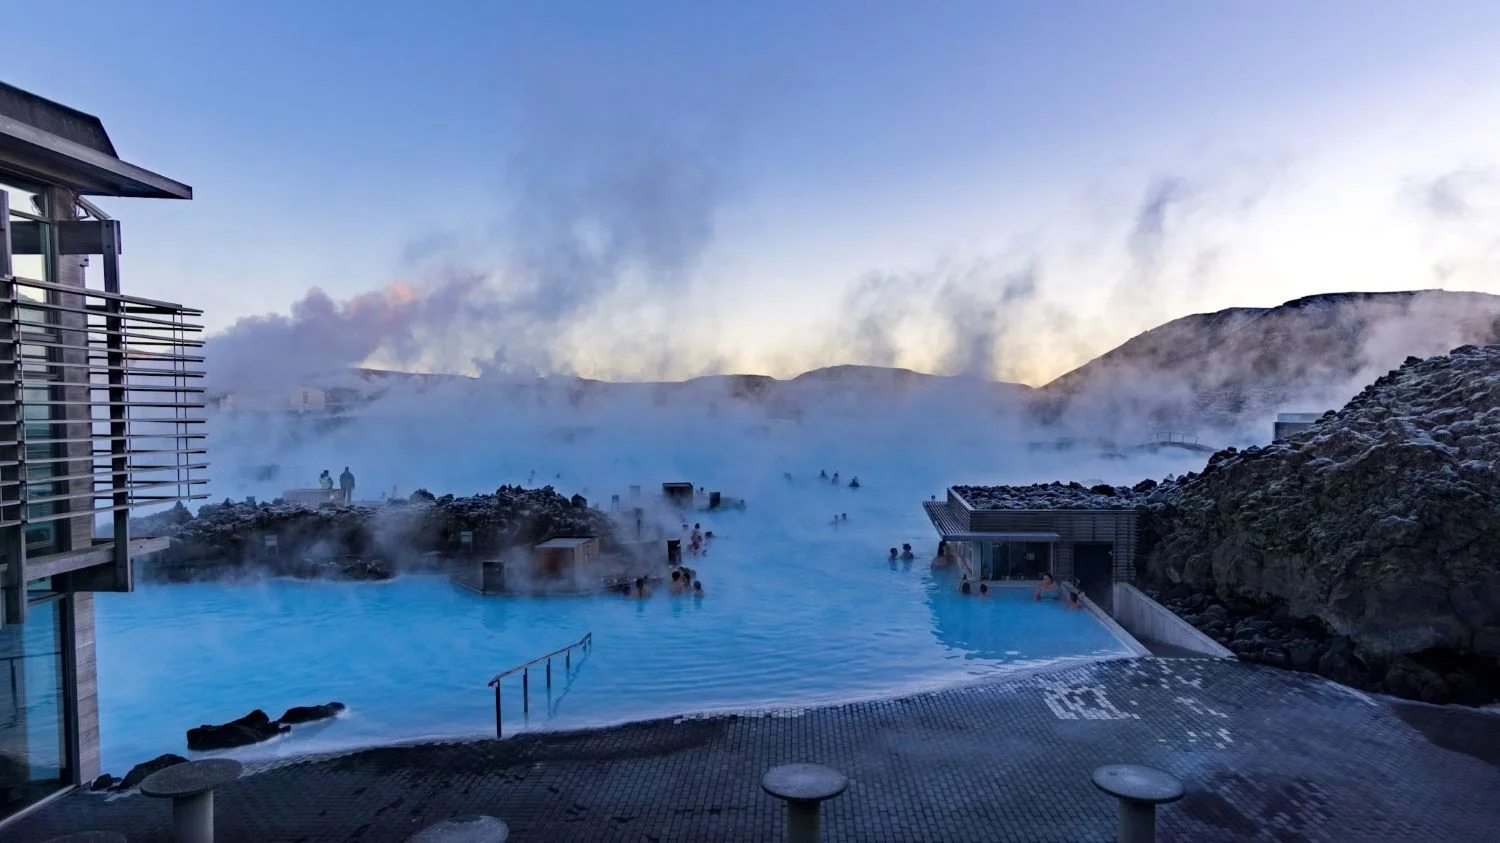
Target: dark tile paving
point(1266, 755)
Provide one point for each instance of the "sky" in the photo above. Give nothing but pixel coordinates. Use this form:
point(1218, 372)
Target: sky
point(663, 189)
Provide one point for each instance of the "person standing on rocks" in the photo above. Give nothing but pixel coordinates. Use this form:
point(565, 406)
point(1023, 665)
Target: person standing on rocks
point(325, 481)
point(346, 485)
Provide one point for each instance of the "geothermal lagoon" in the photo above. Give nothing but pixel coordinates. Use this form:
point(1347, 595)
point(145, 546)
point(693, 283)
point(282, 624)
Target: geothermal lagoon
point(797, 612)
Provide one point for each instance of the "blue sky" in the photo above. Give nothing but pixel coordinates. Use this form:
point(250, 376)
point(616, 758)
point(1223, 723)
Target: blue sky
point(661, 188)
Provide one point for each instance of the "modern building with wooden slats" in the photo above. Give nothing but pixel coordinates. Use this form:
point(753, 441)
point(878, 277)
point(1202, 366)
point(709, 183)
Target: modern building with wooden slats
point(101, 412)
point(1094, 547)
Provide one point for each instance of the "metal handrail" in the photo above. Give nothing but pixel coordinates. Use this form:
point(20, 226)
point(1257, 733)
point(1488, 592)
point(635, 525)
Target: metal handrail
point(584, 643)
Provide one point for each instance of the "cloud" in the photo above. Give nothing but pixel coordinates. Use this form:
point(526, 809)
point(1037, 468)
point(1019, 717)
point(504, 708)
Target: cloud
point(1456, 195)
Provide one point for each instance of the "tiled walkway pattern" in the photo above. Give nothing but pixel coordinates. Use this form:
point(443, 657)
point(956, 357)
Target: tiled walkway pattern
point(1265, 754)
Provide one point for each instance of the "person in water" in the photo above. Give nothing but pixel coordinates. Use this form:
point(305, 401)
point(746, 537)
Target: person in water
point(675, 587)
point(823, 474)
point(906, 554)
point(854, 484)
point(843, 516)
point(984, 589)
point(640, 588)
point(835, 478)
point(893, 554)
point(1073, 601)
point(963, 587)
point(1047, 588)
point(697, 588)
point(696, 543)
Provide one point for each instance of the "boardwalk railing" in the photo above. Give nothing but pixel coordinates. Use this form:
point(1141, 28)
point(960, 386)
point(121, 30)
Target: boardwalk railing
point(584, 644)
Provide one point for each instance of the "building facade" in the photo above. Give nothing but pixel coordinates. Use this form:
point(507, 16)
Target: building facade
point(1094, 547)
point(100, 413)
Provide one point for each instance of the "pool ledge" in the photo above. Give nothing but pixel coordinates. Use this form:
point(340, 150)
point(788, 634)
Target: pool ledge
point(1111, 624)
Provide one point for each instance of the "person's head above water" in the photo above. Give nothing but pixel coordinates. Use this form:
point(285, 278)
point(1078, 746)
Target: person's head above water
point(640, 582)
point(964, 586)
point(893, 551)
point(984, 588)
point(697, 586)
point(1046, 579)
point(905, 546)
point(676, 575)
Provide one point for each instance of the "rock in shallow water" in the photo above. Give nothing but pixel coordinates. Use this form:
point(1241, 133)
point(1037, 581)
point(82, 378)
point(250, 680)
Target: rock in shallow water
point(308, 713)
point(252, 728)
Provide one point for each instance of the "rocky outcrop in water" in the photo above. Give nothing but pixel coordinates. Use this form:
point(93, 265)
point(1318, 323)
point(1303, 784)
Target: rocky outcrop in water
point(368, 542)
point(253, 728)
point(1382, 524)
point(309, 713)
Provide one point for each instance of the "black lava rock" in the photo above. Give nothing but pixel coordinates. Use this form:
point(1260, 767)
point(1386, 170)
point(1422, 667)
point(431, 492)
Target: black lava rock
point(252, 728)
point(309, 713)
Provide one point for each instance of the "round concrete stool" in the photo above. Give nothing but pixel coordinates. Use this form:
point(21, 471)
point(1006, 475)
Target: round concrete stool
point(1140, 790)
point(190, 786)
point(90, 837)
point(804, 788)
point(463, 830)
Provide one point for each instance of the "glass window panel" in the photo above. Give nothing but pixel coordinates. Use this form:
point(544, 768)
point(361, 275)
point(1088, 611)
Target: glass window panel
point(41, 539)
point(23, 199)
point(32, 748)
point(29, 266)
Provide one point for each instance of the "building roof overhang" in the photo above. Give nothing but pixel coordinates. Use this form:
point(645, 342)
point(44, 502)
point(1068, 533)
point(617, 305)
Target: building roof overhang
point(1002, 537)
point(42, 156)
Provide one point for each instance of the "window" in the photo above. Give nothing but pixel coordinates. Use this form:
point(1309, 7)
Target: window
point(1015, 560)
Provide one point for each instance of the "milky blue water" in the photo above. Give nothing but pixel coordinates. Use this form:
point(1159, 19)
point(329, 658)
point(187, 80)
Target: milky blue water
point(797, 612)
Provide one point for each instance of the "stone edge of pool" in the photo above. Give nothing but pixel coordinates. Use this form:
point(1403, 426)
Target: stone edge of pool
point(262, 765)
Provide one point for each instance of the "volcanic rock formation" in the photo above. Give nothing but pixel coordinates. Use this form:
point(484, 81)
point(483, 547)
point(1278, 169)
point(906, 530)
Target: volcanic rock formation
point(1382, 523)
point(368, 542)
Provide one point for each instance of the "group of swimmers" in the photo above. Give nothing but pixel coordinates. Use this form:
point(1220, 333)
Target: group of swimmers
point(1047, 589)
point(823, 475)
point(684, 580)
point(905, 556)
point(698, 539)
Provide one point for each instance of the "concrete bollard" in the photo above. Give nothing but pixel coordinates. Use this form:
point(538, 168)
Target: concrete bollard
point(1140, 790)
point(804, 788)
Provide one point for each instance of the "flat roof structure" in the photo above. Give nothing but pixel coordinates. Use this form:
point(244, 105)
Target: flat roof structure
point(951, 527)
point(51, 143)
point(565, 543)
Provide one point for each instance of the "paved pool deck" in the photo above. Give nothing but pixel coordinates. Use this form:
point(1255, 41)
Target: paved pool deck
point(1265, 755)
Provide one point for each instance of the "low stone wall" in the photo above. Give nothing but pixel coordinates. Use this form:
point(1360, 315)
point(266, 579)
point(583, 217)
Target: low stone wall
point(1147, 619)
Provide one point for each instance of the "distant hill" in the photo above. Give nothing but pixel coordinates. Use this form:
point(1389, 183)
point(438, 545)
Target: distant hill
point(1311, 353)
point(1208, 370)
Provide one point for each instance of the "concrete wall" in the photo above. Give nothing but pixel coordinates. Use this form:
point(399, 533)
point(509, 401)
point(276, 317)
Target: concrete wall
point(85, 689)
point(1146, 619)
